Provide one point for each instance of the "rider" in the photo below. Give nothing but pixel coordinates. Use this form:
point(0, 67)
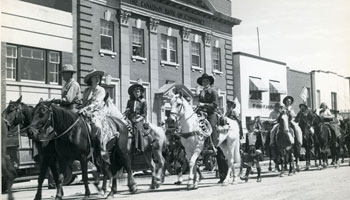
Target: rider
point(71, 92)
point(136, 112)
point(288, 101)
point(327, 117)
point(208, 103)
point(93, 106)
point(231, 113)
point(274, 115)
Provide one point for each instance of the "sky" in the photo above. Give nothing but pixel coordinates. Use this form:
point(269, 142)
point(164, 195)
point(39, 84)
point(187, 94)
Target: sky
point(306, 34)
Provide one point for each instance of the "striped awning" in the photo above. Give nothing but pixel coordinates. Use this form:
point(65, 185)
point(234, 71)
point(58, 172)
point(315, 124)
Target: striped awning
point(255, 84)
point(277, 88)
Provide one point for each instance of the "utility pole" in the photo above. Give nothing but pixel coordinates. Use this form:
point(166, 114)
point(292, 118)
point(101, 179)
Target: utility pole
point(257, 31)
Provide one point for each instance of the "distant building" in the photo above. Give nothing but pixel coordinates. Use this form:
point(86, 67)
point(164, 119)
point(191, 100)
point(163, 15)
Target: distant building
point(331, 88)
point(37, 39)
point(259, 83)
point(296, 81)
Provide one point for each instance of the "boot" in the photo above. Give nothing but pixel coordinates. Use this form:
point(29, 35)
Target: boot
point(259, 174)
point(246, 177)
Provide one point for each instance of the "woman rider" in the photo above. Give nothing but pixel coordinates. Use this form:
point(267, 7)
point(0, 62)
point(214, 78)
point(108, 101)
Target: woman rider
point(93, 105)
point(327, 116)
point(288, 101)
point(136, 112)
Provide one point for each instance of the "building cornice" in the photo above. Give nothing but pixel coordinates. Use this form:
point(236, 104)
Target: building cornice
point(328, 72)
point(257, 57)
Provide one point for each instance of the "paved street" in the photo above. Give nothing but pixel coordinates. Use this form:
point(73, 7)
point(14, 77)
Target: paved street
point(325, 184)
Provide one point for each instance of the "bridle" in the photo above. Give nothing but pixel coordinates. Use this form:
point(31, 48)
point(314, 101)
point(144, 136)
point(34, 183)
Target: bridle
point(50, 123)
point(179, 110)
point(19, 116)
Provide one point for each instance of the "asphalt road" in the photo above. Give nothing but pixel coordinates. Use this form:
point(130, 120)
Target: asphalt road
point(317, 184)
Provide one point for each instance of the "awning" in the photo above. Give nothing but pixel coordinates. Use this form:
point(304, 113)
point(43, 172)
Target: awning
point(277, 88)
point(256, 84)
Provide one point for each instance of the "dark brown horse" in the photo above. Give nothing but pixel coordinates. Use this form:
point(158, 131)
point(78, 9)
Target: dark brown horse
point(308, 137)
point(345, 138)
point(19, 113)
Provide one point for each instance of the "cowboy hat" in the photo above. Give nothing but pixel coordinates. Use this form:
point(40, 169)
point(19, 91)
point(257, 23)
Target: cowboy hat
point(68, 68)
point(303, 104)
point(230, 101)
point(92, 73)
point(135, 86)
point(286, 98)
point(210, 77)
point(323, 104)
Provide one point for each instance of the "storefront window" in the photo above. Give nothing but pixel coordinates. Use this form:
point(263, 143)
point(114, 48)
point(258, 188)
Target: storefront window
point(31, 64)
point(255, 95)
point(54, 63)
point(11, 61)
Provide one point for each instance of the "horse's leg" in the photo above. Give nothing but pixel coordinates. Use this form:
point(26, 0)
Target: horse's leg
point(159, 165)
point(152, 165)
point(83, 164)
point(258, 169)
point(192, 162)
point(44, 165)
point(62, 168)
point(199, 173)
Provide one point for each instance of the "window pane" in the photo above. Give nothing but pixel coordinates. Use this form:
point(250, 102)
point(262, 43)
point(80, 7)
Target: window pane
point(37, 54)
point(53, 75)
point(54, 57)
point(27, 53)
point(195, 60)
point(11, 51)
point(164, 41)
point(172, 56)
point(172, 43)
point(10, 68)
point(106, 43)
point(32, 69)
point(137, 42)
point(164, 54)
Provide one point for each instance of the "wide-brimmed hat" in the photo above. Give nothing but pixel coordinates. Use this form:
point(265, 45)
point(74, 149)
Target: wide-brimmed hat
point(286, 98)
point(135, 86)
point(93, 72)
point(230, 101)
point(68, 68)
point(303, 104)
point(210, 77)
point(323, 104)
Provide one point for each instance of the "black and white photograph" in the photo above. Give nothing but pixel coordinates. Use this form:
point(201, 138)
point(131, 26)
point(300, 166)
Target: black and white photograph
point(175, 99)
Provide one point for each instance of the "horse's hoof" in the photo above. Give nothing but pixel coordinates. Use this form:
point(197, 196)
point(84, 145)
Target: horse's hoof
point(258, 180)
point(178, 182)
point(337, 166)
point(290, 174)
point(281, 175)
point(225, 183)
point(133, 188)
point(58, 198)
point(38, 197)
point(86, 198)
point(319, 167)
point(307, 168)
point(297, 169)
point(270, 169)
point(190, 187)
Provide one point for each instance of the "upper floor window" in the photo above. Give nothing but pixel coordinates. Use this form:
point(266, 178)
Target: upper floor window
point(196, 54)
point(106, 33)
point(137, 42)
point(216, 59)
point(32, 64)
point(169, 49)
point(318, 98)
point(11, 61)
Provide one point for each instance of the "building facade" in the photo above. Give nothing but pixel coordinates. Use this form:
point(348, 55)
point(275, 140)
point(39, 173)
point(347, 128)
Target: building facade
point(259, 84)
point(331, 88)
point(37, 39)
point(299, 85)
point(155, 43)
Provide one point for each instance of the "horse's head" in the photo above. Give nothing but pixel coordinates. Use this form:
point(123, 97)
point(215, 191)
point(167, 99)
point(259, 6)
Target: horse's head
point(284, 121)
point(42, 119)
point(13, 114)
point(177, 107)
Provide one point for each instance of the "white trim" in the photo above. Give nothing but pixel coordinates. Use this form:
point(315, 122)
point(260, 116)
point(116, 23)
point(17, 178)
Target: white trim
point(142, 59)
point(104, 52)
point(164, 63)
point(196, 68)
point(217, 72)
point(32, 84)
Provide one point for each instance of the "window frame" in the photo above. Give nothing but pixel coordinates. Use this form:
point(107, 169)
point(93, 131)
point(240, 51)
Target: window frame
point(14, 62)
point(198, 45)
point(58, 64)
point(334, 100)
point(168, 51)
point(111, 24)
point(218, 49)
point(253, 93)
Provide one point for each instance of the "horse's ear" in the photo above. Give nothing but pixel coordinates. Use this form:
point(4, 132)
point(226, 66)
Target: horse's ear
point(19, 100)
point(41, 100)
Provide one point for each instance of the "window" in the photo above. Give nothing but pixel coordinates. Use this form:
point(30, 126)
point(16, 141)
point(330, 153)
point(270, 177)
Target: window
point(216, 59)
point(106, 33)
point(318, 98)
point(334, 100)
point(308, 99)
point(196, 54)
point(255, 95)
point(11, 61)
point(168, 49)
point(32, 64)
point(54, 64)
point(137, 42)
point(276, 89)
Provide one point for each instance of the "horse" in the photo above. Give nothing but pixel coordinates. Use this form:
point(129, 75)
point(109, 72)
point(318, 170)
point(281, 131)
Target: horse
point(321, 138)
point(345, 138)
point(8, 170)
point(71, 139)
point(308, 137)
point(283, 145)
point(193, 140)
point(19, 113)
point(270, 151)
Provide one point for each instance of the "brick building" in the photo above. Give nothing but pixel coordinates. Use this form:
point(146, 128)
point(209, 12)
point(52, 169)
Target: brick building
point(296, 81)
point(159, 43)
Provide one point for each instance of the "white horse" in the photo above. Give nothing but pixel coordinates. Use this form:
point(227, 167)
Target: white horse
point(193, 140)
